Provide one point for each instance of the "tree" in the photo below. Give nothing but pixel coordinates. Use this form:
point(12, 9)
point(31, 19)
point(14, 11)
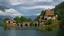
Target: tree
point(23, 19)
point(42, 13)
point(59, 10)
point(17, 19)
point(29, 19)
point(5, 19)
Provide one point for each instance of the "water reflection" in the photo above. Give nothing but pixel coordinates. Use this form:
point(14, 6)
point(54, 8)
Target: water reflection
point(60, 32)
point(14, 32)
point(10, 33)
point(29, 33)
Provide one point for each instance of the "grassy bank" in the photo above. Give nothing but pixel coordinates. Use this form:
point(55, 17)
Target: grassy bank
point(51, 27)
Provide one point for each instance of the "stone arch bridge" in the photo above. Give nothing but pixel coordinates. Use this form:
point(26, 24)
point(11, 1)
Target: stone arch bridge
point(11, 23)
point(28, 24)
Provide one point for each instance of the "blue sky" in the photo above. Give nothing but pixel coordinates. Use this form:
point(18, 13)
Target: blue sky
point(28, 7)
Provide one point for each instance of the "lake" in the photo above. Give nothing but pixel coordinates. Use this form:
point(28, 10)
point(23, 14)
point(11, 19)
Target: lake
point(26, 33)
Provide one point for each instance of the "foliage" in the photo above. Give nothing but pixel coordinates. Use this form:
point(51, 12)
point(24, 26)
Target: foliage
point(17, 19)
point(47, 28)
point(59, 10)
point(61, 24)
point(48, 22)
point(29, 19)
point(5, 19)
point(42, 13)
point(54, 23)
point(23, 19)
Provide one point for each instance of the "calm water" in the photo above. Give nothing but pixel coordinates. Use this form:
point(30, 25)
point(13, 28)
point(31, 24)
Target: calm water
point(27, 33)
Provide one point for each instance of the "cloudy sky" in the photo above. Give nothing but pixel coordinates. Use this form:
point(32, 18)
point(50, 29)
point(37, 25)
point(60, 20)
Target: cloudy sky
point(28, 7)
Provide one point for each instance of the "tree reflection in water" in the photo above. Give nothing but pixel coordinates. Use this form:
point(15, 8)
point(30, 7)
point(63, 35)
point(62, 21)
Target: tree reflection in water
point(61, 29)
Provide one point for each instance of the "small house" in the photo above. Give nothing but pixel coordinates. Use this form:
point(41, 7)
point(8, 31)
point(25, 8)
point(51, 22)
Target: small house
point(49, 14)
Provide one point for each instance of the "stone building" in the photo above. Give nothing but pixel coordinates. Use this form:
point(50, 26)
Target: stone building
point(48, 14)
point(10, 23)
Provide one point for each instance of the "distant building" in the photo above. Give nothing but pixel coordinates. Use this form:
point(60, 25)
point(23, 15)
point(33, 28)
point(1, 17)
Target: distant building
point(10, 23)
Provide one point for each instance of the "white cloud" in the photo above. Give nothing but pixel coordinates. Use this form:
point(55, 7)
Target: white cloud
point(36, 7)
point(10, 12)
point(43, 0)
point(17, 2)
point(37, 14)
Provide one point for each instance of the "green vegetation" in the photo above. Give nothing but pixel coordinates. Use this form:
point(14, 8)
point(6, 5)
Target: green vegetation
point(22, 19)
point(6, 19)
point(59, 10)
point(29, 20)
point(50, 27)
point(17, 19)
point(48, 22)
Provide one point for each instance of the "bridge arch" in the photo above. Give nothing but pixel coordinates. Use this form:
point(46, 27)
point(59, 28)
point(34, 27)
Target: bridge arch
point(31, 24)
point(26, 25)
point(35, 24)
point(21, 25)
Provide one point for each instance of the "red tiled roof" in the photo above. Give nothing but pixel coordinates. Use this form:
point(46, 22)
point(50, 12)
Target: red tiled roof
point(49, 12)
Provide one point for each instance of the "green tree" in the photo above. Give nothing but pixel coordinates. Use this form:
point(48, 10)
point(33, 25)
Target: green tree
point(17, 19)
point(5, 19)
point(59, 10)
point(42, 13)
point(29, 19)
point(23, 19)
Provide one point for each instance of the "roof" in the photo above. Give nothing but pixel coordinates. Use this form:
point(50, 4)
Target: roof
point(49, 12)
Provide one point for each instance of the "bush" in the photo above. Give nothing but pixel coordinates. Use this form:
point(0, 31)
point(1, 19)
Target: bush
point(48, 22)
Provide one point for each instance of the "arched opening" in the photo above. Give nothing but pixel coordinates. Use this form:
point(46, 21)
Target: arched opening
point(21, 25)
point(26, 24)
point(45, 18)
point(31, 25)
point(17, 24)
point(35, 25)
